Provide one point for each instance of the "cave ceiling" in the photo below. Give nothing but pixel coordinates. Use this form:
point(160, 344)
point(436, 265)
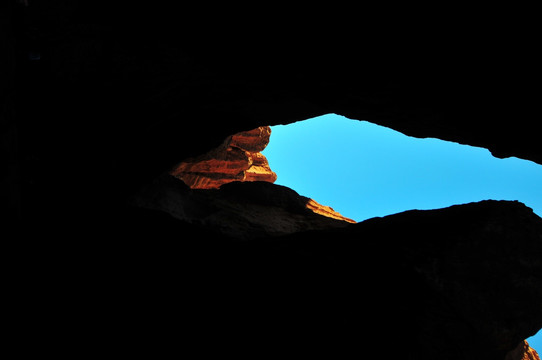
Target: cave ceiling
point(149, 80)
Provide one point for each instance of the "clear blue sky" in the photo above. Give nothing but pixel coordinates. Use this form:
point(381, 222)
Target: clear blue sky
point(363, 170)
point(536, 342)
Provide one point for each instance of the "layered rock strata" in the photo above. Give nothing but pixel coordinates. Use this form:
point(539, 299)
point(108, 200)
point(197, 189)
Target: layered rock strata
point(530, 353)
point(238, 158)
point(523, 352)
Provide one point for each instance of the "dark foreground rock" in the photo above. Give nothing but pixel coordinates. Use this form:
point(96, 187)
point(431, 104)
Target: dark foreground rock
point(463, 282)
point(240, 210)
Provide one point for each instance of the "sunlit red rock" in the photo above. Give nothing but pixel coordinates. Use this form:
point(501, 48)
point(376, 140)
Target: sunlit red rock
point(254, 140)
point(238, 158)
point(530, 353)
point(326, 211)
point(523, 352)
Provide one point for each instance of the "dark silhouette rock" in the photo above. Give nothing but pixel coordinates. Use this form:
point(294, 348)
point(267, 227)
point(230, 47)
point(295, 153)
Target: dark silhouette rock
point(241, 210)
point(456, 283)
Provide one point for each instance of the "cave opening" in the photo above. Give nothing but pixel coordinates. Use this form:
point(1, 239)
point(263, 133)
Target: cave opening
point(355, 170)
point(256, 184)
point(363, 170)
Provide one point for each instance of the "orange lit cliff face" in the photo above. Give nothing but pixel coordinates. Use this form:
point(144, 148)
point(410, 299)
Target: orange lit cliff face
point(238, 158)
point(523, 352)
point(528, 352)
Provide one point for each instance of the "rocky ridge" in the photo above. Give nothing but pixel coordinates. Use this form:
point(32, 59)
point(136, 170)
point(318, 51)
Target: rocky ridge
point(242, 210)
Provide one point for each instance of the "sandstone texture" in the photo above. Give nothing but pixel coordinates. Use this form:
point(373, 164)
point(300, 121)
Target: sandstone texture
point(530, 353)
point(523, 352)
point(238, 158)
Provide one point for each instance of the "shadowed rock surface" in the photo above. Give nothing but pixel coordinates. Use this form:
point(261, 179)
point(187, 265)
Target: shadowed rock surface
point(123, 91)
point(456, 283)
point(241, 210)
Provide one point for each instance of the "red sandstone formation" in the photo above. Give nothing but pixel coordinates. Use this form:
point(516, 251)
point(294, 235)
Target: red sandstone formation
point(237, 159)
point(531, 354)
point(523, 352)
point(528, 352)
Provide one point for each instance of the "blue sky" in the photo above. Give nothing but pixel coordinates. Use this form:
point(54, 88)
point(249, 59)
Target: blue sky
point(536, 342)
point(363, 170)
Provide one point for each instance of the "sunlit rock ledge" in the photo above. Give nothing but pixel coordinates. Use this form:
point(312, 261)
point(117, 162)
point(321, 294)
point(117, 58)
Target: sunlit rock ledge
point(238, 158)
